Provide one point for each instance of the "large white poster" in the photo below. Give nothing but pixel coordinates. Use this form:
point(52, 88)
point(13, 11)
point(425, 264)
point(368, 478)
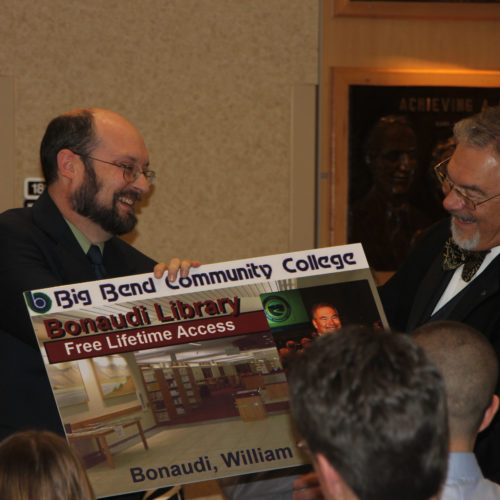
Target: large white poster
point(162, 383)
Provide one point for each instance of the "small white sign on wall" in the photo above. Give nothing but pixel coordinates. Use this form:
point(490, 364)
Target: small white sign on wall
point(33, 188)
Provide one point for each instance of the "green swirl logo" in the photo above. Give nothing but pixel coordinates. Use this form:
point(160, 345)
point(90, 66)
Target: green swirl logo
point(38, 302)
point(276, 308)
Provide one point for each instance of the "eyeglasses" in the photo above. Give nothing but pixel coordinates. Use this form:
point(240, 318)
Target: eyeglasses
point(441, 171)
point(130, 172)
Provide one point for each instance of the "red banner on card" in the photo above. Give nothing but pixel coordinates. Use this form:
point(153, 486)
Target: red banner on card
point(104, 344)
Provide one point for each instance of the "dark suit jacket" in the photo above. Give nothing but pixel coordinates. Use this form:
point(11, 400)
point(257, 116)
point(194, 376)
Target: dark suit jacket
point(411, 294)
point(38, 250)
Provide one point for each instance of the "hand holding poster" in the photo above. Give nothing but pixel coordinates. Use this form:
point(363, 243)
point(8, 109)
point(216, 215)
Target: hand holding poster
point(161, 383)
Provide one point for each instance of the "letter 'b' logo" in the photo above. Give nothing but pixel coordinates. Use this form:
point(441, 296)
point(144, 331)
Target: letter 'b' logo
point(38, 302)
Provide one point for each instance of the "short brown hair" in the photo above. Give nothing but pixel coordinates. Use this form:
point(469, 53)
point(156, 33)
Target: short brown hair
point(469, 365)
point(75, 131)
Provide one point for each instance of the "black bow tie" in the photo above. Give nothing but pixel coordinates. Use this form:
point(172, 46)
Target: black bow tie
point(454, 256)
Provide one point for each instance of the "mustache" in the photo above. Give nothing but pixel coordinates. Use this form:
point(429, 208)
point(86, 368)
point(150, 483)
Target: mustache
point(463, 217)
point(128, 193)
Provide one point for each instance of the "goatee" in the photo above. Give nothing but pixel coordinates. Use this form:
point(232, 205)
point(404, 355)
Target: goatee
point(469, 243)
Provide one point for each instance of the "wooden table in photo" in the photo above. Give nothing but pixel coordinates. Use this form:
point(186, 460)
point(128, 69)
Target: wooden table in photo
point(100, 432)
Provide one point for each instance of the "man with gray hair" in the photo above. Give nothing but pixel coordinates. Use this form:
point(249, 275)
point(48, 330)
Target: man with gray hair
point(469, 367)
point(454, 271)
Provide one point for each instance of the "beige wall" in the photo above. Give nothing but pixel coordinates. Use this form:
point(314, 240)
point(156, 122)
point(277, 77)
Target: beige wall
point(217, 88)
point(209, 83)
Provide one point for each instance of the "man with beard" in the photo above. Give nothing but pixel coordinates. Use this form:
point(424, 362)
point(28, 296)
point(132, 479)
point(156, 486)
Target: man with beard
point(96, 167)
point(454, 271)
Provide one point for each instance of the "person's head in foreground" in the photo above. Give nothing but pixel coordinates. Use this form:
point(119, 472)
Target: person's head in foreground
point(371, 407)
point(469, 366)
point(40, 465)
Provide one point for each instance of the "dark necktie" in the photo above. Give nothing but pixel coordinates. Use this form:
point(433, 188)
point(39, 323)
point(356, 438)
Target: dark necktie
point(95, 256)
point(454, 256)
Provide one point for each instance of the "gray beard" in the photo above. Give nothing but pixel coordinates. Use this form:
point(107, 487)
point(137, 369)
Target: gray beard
point(465, 243)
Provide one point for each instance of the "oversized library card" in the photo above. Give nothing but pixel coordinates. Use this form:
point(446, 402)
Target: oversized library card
point(161, 383)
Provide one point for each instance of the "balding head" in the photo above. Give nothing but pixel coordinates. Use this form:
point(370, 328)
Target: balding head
point(469, 366)
point(82, 130)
